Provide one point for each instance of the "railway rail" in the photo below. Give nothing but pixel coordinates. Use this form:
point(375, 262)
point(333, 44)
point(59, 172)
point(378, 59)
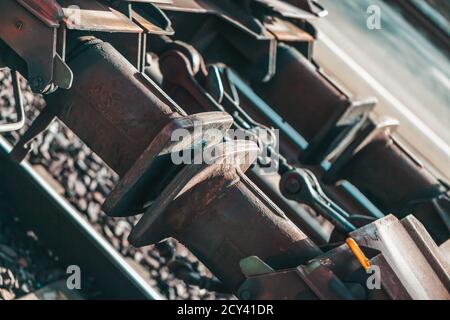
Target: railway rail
point(69, 236)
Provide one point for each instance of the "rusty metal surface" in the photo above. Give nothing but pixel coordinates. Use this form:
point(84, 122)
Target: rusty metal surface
point(19, 29)
point(410, 262)
point(212, 208)
point(334, 275)
point(180, 80)
point(286, 31)
point(301, 95)
point(137, 186)
point(118, 125)
point(49, 12)
point(396, 182)
point(151, 19)
point(95, 16)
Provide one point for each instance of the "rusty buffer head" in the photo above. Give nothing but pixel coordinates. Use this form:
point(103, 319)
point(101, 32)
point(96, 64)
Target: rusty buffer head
point(222, 217)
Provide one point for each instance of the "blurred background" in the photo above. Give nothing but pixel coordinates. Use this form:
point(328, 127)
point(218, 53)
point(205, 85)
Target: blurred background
point(405, 64)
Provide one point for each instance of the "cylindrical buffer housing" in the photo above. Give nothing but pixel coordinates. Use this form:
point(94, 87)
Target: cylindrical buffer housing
point(113, 108)
point(396, 182)
point(301, 94)
point(237, 224)
point(222, 217)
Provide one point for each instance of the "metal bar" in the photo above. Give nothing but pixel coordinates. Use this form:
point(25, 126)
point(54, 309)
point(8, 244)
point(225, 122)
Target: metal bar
point(63, 229)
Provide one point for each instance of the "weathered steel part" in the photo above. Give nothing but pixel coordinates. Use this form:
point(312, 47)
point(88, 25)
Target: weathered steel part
point(127, 120)
point(288, 24)
point(291, 147)
point(209, 207)
point(110, 107)
point(295, 211)
point(281, 285)
point(236, 28)
point(335, 275)
point(295, 284)
point(383, 170)
point(240, 13)
point(49, 12)
point(445, 250)
point(391, 284)
point(151, 18)
point(302, 95)
point(412, 255)
point(180, 81)
point(346, 146)
point(85, 17)
point(125, 25)
point(396, 182)
point(91, 15)
point(340, 134)
point(301, 185)
point(19, 29)
point(184, 6)
point(236, 13)
point(138, 185)
point(285, 31)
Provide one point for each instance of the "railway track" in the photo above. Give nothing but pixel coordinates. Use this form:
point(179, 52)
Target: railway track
point(67, 234)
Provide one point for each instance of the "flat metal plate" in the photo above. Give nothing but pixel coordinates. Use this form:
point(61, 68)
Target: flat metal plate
point(286, 31)
point(409, 260)
point(93, 16)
